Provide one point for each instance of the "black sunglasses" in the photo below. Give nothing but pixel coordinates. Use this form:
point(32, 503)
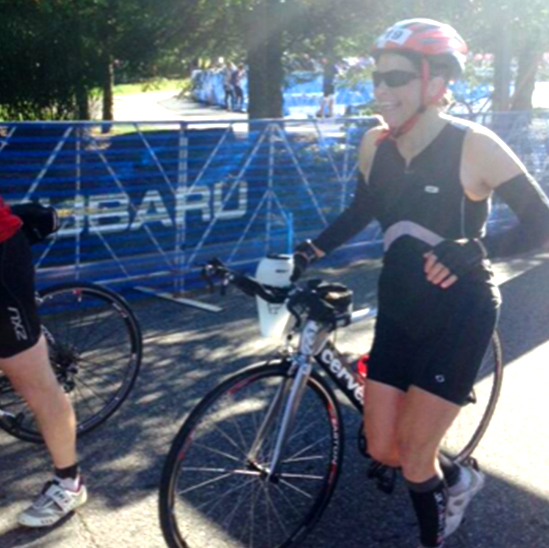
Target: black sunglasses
point(393, 78)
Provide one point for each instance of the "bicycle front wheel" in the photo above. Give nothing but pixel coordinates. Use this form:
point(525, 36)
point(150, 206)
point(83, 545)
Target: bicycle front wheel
point(472, 422)
point(95, 348)
point(215, 493)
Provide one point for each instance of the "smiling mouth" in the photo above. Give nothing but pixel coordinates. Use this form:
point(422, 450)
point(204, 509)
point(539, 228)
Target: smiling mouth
point(388, 106)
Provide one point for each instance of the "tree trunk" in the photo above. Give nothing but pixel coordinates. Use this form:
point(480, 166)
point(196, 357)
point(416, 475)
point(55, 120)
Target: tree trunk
point(529, 60)
point(502, 73)
point(265, 71)
point(82, 102)
point(107, 85)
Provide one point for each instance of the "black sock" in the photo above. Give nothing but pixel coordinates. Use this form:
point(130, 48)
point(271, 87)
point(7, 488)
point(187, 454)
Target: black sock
point(68, 472)
point(429, 500)
point(450, 469)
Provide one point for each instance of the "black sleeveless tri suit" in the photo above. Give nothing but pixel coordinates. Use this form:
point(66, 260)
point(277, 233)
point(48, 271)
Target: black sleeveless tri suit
point(425, 336)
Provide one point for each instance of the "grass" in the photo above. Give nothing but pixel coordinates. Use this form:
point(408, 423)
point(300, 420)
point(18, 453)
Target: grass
point(154, 84)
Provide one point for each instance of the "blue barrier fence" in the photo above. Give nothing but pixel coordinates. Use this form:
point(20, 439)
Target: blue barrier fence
point(303, 93)
point(146, 204)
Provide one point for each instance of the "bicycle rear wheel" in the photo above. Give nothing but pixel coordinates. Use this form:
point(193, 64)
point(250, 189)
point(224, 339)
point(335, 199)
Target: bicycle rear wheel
point(95, 347)
point(471, 424)
point(214, 495)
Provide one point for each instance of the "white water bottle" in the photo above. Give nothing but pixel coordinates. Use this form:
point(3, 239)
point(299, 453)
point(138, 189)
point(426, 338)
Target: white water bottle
point(273, 270)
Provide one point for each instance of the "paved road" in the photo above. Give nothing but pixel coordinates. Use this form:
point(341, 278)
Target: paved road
point(187, 350)
point(158, 106)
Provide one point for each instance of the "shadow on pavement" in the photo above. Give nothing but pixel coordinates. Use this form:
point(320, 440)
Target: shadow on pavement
point(186, 353)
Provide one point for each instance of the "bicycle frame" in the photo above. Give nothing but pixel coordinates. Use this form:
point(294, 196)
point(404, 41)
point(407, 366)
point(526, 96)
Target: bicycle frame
point(314, 344)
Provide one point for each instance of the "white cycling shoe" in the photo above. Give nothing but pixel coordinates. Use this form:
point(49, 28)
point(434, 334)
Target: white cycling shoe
point(456, 505)
point(53, 503)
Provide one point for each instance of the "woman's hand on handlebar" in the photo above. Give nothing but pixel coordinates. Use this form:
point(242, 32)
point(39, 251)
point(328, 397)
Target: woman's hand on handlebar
point(304, 254)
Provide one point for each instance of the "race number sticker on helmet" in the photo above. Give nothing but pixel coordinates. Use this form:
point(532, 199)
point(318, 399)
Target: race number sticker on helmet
point(397, 36)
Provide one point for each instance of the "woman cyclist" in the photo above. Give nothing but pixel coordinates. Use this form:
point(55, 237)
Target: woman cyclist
point(24, 360)
point(428, 179)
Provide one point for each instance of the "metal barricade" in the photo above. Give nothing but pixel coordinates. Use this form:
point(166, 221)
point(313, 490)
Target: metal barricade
point(147, 203)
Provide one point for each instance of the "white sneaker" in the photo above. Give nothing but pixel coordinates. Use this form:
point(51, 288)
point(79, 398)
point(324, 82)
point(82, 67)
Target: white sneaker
point(456, 505)
point(53, 503)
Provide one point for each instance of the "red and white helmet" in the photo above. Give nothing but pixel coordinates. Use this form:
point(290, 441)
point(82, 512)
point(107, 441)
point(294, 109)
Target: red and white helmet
point(425, 38)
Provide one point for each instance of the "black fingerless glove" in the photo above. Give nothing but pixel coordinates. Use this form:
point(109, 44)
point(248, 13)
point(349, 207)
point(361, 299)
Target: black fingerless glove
point(460, 258)
point(304, 255)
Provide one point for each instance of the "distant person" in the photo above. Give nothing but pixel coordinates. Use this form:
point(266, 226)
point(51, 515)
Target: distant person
point(237, 78)
point(228, 86)
point(329, 74)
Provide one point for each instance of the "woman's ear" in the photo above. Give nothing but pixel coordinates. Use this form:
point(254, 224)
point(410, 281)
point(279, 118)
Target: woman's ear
point(436, 88)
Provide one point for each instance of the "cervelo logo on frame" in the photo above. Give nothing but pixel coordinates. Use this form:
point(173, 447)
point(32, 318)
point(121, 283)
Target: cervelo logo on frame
point(335, 365)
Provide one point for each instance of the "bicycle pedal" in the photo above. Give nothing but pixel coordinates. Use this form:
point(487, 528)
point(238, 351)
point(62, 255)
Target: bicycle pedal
point(375, 470)
point(472, 463)
point(387, 485)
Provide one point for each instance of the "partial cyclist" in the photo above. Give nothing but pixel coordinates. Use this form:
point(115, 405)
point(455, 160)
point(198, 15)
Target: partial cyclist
point(24, 360)
point(428, 179)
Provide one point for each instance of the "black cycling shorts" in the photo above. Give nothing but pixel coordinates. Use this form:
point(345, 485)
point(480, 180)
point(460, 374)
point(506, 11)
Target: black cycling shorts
point(19, 323)
point(445, 362)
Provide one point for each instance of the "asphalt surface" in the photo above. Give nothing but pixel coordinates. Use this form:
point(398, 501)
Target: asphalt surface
point(186, 353)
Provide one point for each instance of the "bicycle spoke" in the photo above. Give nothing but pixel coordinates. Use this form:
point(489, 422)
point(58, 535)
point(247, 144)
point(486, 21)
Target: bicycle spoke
point(277, 515)
point(304, 459)
point(230, 440)
point(230, 492)
point(81, 381)
point(301, 476)
point(218, 452)
point(300, 491)
point(220, 470)
point(82, 399)
point(204, 483)
point(307, 448)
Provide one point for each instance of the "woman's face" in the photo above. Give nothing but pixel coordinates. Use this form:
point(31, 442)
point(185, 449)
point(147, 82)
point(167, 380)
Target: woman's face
point(397, 103)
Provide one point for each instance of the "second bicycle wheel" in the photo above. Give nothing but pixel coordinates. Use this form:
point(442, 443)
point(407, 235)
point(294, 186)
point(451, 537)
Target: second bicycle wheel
point(214, 494)
point(95, 348)
point(467, 430)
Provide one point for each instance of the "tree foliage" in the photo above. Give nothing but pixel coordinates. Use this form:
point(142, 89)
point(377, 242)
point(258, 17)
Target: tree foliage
point(54, 52)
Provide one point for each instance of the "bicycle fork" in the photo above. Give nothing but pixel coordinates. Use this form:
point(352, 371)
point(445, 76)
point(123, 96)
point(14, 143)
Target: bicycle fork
point(289, 395)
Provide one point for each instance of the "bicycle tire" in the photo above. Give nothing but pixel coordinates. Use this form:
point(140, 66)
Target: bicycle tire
point(188, 520)
point(471, 424)
point(96, 354)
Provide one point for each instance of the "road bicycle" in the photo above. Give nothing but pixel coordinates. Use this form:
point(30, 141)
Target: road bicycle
point(95, 348)
point(257, 460)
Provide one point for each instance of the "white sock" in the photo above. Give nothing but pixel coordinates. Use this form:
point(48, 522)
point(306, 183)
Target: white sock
point(70, 484)
point(463, 484)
